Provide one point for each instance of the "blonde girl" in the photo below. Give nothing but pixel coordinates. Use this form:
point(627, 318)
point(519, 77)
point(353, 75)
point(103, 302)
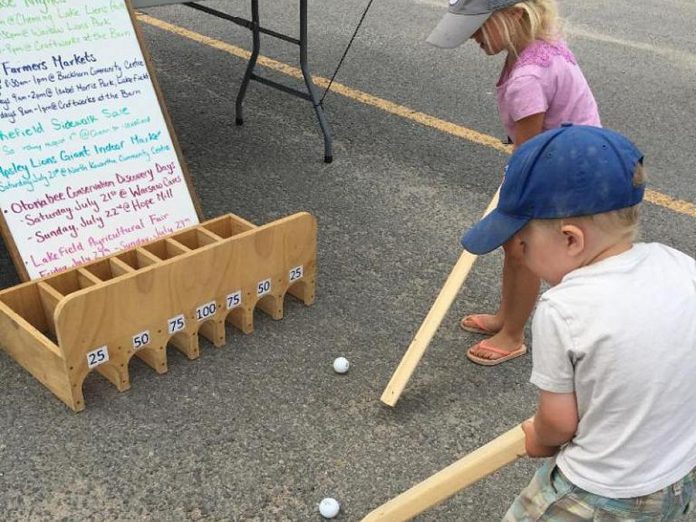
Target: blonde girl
point(540, 87)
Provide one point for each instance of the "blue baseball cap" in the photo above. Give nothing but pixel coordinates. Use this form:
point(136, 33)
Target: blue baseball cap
point(570, 171)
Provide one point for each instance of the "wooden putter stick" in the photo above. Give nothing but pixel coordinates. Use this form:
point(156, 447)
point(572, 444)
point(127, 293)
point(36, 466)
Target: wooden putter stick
point(432, 321)
point(469, 469)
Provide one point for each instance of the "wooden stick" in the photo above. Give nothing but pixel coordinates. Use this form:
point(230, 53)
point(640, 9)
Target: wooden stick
point(470, 469)
point(432, 321)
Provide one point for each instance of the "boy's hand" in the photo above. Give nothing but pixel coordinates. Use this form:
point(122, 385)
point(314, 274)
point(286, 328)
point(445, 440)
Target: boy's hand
point(533, 447)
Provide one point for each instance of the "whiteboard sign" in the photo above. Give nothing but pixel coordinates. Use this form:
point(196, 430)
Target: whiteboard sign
point(87, 163)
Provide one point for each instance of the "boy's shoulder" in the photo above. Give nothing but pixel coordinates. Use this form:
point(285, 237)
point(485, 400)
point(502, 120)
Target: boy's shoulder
point(640, 254)
point(643, 294)
point(666, 255)
point(624, 272)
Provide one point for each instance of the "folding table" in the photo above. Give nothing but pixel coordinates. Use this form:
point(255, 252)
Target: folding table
point(254, 26)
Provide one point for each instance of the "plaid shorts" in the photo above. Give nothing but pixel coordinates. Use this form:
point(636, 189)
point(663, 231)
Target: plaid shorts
point(551, 497)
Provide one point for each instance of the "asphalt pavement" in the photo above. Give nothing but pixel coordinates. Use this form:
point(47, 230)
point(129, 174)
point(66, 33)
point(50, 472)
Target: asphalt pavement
point(263, 429)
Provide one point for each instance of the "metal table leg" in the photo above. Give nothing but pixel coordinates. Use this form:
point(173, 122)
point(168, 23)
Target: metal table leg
point(310, 95)
point(256, 46)
point(318, 108)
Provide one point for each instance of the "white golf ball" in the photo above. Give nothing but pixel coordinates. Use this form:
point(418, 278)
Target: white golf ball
point(329, 507)
point(341, 365)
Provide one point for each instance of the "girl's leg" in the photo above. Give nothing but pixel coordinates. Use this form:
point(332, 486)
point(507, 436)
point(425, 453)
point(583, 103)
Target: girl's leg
point(519, 295)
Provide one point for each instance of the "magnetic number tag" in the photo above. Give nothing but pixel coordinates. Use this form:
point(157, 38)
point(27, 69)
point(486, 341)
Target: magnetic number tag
point(206, 311)
point(296, 273)
point(234, 299)
point(97, 357)
point(176, 324)
point(141, 340)
point(263, 287)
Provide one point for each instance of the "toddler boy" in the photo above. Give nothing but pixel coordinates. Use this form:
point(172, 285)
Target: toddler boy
point(614, 353)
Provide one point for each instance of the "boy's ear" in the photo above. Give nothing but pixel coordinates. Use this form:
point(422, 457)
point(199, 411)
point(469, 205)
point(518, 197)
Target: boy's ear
point(574, 238)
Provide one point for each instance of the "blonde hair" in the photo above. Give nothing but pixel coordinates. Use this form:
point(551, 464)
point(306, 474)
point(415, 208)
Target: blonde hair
point(521, 24)
point(622, 224)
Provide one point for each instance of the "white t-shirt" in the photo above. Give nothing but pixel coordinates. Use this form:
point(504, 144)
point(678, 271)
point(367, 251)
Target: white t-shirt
point(621, 334)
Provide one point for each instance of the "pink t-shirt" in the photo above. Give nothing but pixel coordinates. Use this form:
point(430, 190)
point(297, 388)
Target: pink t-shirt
point(545, 78)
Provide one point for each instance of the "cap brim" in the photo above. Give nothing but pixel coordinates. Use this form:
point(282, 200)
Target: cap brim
point(492, 231)
point(455, 29)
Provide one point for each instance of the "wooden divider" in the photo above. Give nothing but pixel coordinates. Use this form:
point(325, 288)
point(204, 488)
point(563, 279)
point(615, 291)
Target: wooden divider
point(135, 302)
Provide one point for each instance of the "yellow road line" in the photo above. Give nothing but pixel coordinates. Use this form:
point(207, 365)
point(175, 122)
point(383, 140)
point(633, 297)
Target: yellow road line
point(657, 198)
point(677, 205)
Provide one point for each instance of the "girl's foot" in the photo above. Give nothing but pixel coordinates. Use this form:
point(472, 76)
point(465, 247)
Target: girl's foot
point(488, 354)
point(485, 324)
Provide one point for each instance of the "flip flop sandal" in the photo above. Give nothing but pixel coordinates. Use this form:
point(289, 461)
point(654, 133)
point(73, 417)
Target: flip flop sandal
point(505, 355)
point(478, 327)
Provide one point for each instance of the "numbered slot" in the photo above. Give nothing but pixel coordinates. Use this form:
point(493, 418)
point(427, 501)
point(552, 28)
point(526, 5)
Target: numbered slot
point(206, 311)
point(228, 226)
point(164, 249)
point(97, 357)
point(206, 237)
point(135, 259)
point(234, 300)
point(191, 239)
point(66, 282)
point(296, 274)
point(263, 287)
point(103, 270)
point(118, 267)
point(87, 278)
point(141, 340)
point(29, 303)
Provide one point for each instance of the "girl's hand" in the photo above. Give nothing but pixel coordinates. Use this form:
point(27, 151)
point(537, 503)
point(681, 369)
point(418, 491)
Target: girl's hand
point(533, 447)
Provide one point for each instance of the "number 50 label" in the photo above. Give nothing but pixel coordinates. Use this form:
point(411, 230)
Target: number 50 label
point(97, 357)
point(141, 340)
point(263, 287)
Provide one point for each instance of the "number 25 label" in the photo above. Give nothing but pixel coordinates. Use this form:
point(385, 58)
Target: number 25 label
point(97, 357)
point(296, 273)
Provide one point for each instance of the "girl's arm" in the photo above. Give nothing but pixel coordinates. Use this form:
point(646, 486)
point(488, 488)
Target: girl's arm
point(528, 127)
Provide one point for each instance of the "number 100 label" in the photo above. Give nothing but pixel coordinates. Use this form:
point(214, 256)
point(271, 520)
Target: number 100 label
point(206, 311)
point(97, 357)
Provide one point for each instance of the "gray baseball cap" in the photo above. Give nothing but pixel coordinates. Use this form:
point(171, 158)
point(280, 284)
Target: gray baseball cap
point(463, 19)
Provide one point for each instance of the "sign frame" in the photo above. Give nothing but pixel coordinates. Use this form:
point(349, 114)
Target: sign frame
point(5, 229)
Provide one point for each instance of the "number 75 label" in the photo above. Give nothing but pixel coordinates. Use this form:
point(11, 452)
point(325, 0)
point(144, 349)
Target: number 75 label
point(176, 324)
